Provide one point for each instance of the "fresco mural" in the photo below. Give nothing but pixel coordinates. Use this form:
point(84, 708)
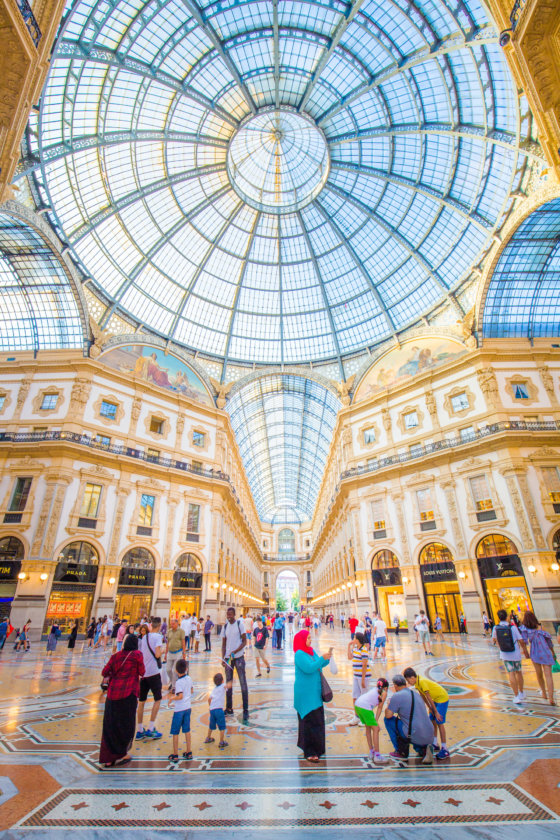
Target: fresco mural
point(400, 364)
point(154, 366)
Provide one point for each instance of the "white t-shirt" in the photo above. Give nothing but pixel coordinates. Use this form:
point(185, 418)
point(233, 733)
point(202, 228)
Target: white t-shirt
point(422, 624)
point(150, 662)
point(110, 625)
point(183, 685)
point(248, 622)
point(369, 700)
point(380, 629)
point(513, 655)
point(232, 634)
point(186, 625)
point(218, 697)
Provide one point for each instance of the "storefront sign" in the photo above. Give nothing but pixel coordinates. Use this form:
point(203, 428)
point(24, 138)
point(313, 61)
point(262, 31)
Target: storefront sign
point(136, 577)
point(496, 567)
point(187, 580)
point(432, 572)
point(386, 577)
point(10, 569)
point(75, 573)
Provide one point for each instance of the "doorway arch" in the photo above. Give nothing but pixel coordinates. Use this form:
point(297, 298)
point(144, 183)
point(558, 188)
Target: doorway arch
point(287, 585)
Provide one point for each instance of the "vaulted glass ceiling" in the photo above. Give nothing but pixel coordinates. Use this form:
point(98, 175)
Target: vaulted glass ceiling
point(279, 181)
point(523, 297)
point(284, 426)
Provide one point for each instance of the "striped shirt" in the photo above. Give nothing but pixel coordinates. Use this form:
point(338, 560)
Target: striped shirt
point(360, 655)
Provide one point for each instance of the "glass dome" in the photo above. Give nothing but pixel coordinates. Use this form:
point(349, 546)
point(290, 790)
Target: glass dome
point(278, 182)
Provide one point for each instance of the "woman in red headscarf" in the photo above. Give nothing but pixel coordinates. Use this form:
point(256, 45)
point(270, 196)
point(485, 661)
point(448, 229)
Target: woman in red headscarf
point(308, 701)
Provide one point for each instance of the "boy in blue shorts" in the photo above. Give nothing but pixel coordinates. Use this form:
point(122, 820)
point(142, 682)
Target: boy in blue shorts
point(181, 720)
point(217, 717)
point(436, 699)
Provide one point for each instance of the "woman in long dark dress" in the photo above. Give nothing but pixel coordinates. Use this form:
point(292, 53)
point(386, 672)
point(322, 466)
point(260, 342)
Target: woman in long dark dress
point(72, 636)
point(308, 701)
point(122, 672)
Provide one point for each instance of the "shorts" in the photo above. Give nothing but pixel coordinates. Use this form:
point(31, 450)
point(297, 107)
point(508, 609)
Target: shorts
point(152, 684)
point(512, 665)
point(259, 652)
point(380, 641)
point(357, 689)
point(217, 719)
point(442, 710)
point(181, 722)
point(424, 635)
point(365, 716)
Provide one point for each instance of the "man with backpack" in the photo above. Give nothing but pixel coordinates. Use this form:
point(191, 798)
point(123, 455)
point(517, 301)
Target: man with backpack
point(511, 644)
point(234, 640)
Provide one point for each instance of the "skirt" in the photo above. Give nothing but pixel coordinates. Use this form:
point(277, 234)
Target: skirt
point(311, 732)
point(119, 726)
point(51, 642)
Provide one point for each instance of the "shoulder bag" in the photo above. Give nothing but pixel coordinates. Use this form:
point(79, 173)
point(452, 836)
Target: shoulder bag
point(326, 690)
point(157, 658)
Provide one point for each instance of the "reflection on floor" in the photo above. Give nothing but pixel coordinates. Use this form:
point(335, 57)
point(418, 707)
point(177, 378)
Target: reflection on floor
point(504, 766)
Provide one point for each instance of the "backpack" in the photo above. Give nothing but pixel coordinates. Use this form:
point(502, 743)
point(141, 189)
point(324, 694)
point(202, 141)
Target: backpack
point(504, 637)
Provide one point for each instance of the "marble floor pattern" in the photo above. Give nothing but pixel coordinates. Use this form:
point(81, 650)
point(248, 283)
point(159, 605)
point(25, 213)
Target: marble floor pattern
point(504, 770)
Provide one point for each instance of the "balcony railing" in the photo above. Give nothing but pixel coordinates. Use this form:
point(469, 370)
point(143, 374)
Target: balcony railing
point(286, 558)
point(29, 20)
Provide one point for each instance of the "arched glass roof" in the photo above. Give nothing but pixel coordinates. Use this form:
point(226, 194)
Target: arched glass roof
point(277, 182)
point(523, 297)
point(38, 308)
point(284, 426)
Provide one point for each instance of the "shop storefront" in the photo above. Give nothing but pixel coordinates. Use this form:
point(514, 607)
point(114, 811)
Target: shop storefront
point(187, 586)
point(387, 588)
point(136, 585)
point(502, 576)
point(73, 588)
point(11, 556)
point(441, 588)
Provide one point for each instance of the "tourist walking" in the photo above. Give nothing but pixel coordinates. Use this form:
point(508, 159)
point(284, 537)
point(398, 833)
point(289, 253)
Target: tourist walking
point(121, 633)
point(380, 631)
point(52, 639)
point(352, 624)
point(308, 699)
point(407, 722)
point(437, 628)
point(24, 637)
point(397, 625)
point(90, 633)
point(261, 636)
point(186, 625)
point(72, 637)
point(3, 632)
point(151, 648)
point(175, 650)
point(278, 625)
point(234, 640)
point(208, 625)
point(122, 673)
point(424, 633)
point(486, 628)
point(511, 645)
point(248, 623)
point(541, 653)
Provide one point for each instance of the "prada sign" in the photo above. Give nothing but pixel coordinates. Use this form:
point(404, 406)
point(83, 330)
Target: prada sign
point(386, 577)
point(75, 573)
point(432, 572)
point(136, 577)
point(187, 580)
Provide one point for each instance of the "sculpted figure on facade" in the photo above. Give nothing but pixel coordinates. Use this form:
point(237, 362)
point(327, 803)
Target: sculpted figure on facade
point(80, 393)
point(548, 382)
point(488, 385)
point(386, 418)
point(431, 404)
point(344, 388)
point(222, 389)
point(22, 393)
point(136, 409)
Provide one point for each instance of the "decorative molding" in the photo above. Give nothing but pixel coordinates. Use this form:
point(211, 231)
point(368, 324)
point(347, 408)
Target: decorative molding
point(363, 428)
point(455, 392)
point(52, 390)
point(206, 434)
point(119, 414)
point(409, 409)
point(7, 400)
point(165, 428)
point(518, 379)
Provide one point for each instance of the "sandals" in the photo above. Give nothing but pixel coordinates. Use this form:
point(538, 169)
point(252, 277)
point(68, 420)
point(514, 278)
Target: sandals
point(173, 757)
point(314, 759)
point(122, 761)
point(209, 741)
point(222, 745)
point(187, 756)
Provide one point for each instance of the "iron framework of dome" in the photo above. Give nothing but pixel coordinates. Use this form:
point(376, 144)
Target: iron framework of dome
point(278, 182)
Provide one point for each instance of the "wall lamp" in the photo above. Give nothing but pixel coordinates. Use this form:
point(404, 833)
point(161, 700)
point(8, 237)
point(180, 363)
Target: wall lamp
point(532, 569)
point(462, 575)
point(169, 583)
point(555, 567)
point(224, 585)
point(112, 581)
point(215, 585)
point(22, 576)
point(43, 576)
point(405, 579)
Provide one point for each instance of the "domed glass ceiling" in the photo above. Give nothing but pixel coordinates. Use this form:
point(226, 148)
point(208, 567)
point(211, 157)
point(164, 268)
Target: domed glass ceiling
point(277, 182)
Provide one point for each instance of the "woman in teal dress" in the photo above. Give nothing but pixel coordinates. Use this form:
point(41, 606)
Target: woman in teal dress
point(308, 701)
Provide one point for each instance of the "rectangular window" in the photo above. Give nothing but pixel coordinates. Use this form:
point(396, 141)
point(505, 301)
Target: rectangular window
point(108, 409)
point(153, 454)
point(265, 543)
point(411, 420)
point(481, 493)
point(103, 440)
point(425, 505)
point(156, 425)
point(467, 433)
point(520, 391)
point(2, 401)
point(552, 483)
point(90, 502)
point(378, 514)
point(308, 578)
point(193, 523)
point(198, 438)
point(369, 435)
point(459, 402)
point(49, 401)
point(146, 510)
point(20, 494)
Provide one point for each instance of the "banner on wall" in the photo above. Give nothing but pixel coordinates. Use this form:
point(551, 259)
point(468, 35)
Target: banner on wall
point(69, 608)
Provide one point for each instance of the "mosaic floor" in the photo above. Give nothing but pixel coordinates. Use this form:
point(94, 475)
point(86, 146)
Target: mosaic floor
point(504, 770)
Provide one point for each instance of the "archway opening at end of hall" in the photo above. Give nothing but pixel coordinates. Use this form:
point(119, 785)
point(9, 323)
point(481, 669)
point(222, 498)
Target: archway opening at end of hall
point(387, 588)
point(502, 576)
point(441, 588)
point(287, 590)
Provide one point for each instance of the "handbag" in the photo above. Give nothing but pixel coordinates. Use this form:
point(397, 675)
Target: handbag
point(556, 666)
point(403, 742)
point(105, 684)
point(326, 690)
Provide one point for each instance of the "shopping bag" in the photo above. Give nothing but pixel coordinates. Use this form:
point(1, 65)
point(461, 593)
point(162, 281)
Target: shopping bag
point(333, 666)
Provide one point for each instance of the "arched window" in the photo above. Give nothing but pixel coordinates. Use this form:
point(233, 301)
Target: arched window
point(11, 549)
point(495, 545)
point(384, 559)
point(435, 553)
point(188, 563)
point(138, 558)
point(556, 541)
point(80, 553)
point(286, 541)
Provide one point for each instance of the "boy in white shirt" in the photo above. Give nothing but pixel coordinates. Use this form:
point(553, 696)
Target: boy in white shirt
point(181, 720)
point(217, 717)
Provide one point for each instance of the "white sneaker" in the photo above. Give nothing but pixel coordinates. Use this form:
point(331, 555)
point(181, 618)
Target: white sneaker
point(518, 699)
point(354, 722)
point(521, 695)
point(380, 759)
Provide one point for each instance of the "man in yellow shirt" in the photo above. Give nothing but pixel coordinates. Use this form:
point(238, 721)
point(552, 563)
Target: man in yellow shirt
point(436, 699)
